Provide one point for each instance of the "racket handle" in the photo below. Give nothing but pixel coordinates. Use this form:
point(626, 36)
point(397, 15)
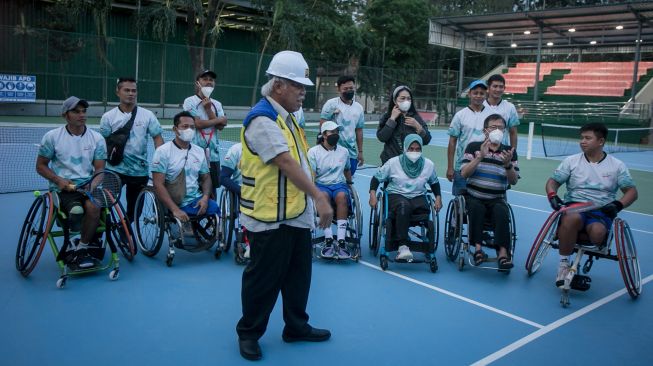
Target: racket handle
point(72, 187)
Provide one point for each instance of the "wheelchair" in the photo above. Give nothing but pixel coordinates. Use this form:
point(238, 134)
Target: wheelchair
point(423, 240)
point(352, 235)
point(231, 231)
point(456, 238)
point(619, 239)
point(39, 228)
point(152, 220)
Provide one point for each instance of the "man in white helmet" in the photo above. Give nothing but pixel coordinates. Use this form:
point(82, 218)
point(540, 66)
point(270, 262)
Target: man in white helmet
point(277, 209)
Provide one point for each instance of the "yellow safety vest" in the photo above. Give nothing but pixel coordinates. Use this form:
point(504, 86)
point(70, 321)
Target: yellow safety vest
point(267, 194)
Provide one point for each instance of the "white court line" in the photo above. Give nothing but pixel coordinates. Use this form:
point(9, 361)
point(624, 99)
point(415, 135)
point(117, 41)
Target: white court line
point(456, 296)
point(546, 211)
point(553, 326)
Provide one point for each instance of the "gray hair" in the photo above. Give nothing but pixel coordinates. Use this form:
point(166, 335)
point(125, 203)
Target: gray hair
point(266, 89)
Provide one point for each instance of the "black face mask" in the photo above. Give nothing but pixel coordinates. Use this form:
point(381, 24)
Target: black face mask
point(333, 139)
point(348, 95)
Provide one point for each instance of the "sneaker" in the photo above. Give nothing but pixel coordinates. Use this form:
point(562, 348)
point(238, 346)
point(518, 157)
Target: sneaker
point(563, 271)
point(342, 251)
point(84, 260)
point(404, 253)
point(246, 254)
point(328, 250)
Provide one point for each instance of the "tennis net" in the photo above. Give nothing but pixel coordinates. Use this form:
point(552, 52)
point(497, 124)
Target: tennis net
point(19, 145)
point(562, 140)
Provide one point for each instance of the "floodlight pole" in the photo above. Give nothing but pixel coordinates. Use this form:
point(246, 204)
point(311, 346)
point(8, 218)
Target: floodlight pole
point(138, 41)
point(461, 66)
point(637, 57)
point(536, 90)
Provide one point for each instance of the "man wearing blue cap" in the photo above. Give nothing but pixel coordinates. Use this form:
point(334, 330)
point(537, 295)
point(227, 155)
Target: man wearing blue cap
point(466, 127)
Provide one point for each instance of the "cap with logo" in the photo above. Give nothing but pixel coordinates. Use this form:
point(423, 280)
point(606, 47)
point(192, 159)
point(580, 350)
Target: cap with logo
point(477, 83)
point(290, 65)
point(206, 72)
point(71, 103)
point(329, 126)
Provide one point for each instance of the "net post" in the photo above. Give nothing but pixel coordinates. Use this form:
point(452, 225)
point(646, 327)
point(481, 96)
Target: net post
point(529, 147)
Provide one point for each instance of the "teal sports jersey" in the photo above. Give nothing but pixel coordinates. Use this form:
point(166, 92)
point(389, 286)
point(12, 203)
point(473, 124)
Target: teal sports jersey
point(146, 126)
point(328, 165)
point(71, 157)
point(169, 159)
point(467, 127)
point(349, 117)
point(207, 137)
point(400, 183)
point(232, 159)
point(508, 111)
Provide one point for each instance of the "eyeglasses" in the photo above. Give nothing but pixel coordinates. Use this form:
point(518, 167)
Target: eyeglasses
point(295, 84)
point(492, 128)
point(185, 127)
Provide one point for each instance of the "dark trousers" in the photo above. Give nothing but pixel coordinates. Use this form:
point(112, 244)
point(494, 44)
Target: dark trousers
point(280, 262)
point(134, 186)
point(499, 215)
point(214, 170)
point(402, 208)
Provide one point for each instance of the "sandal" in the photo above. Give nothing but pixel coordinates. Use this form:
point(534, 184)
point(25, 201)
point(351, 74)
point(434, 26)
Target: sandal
point(505, 263)
point(479, 257)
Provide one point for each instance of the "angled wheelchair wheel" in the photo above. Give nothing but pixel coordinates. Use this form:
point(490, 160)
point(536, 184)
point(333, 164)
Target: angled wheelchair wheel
point(453, 229)
point(205, 230)
point(513, 232)
point(543, 241)
point(358, 213)
point(228, 214)
point(120, 230)
point(34, 234)
point(627, 257)
point(149, 221)
point(380, 223)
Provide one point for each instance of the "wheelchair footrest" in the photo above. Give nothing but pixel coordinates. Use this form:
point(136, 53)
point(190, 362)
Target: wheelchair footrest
point(580, 283)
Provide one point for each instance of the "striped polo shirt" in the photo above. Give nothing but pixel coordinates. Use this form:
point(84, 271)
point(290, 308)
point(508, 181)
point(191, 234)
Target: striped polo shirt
point(489, 180)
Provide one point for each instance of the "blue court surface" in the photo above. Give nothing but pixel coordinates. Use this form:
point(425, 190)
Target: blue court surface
point(186, 314)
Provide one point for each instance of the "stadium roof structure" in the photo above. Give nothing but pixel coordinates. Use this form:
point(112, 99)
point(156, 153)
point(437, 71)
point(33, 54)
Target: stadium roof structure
point(615, 28)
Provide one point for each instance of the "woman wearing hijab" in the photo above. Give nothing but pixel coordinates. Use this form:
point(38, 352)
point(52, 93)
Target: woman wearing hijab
point(400, 120)
point(407, 176)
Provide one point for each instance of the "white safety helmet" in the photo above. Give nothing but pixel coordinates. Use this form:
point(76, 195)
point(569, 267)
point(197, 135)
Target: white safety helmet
point(290, 65)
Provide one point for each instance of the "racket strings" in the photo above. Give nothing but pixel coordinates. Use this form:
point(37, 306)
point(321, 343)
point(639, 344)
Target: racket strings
point(105, 189)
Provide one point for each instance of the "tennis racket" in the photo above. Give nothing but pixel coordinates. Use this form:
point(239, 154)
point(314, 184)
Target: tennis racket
point(103, 188)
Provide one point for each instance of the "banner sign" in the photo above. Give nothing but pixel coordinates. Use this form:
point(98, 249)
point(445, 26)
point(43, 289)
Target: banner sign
point(17, 88)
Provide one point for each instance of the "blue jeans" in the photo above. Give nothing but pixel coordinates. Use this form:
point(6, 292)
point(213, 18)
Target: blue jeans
point(459, 183)
point(192, 210)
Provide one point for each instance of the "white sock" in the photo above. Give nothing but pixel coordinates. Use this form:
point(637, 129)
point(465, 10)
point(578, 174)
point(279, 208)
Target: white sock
point(327, 233)
point(342, 229)
point(82, 245)
point(564, 258)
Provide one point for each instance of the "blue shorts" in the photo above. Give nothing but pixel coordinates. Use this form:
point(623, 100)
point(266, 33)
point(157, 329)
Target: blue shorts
point(459, 183)
point(333, 189)
point(593, 216)
point(353, 164)
point(192, 210)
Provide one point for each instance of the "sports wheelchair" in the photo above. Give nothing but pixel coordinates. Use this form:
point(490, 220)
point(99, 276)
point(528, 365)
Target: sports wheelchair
point(152, 219)
point(423, 240)
point(39, 228)
point(230, 229)
point(620, 237)
point(456, 236)
point(354, 229)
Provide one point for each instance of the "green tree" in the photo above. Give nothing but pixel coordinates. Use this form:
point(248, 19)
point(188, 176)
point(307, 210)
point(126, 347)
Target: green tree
point(203, 24)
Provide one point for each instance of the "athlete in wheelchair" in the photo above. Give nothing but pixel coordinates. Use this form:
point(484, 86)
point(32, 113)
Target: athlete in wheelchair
point(68, 157)
point(586, 222)
point(403, 204)
point(330, 164)
point(179, 203)
point(231, 180)
point(488, 167)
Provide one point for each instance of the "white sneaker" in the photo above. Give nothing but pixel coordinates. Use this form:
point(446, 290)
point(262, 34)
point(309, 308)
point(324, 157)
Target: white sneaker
point(404, 253)
point(563, 271)
point(246, 254)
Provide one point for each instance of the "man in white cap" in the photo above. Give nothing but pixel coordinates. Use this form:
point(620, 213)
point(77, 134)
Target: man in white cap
point(277, 198)
point(209, 119)
point(70, 155)
point(331, 167)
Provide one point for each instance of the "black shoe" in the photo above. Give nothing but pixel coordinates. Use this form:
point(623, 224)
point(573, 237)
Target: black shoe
point(313, 335)
point(249, 349)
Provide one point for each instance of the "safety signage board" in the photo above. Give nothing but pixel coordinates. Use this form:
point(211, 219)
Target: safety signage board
point(17, 88)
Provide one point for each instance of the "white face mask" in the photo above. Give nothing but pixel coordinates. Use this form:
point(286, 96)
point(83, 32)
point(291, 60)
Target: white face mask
point(496, 136)
point(413, 155)
point(404, 106)
point(207, 90)
point(186, 135)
